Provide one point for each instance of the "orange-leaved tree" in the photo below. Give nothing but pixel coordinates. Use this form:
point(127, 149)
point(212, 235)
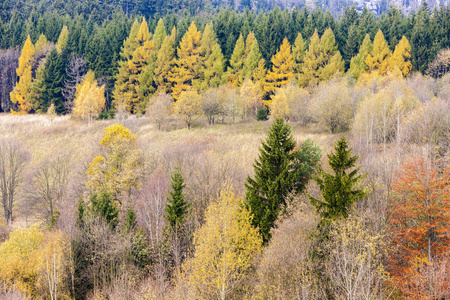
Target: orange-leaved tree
point(419, 228)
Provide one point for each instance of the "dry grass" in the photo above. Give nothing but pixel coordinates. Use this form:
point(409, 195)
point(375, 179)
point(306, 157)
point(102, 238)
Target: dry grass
point(207, 154)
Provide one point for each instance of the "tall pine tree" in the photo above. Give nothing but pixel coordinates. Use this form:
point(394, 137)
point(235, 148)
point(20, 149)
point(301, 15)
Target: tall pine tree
point(339, 189)
point(177, 207)
point(274, 177)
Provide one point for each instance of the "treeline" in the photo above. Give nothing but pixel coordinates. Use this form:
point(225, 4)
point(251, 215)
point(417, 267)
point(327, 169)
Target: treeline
point(106, 49)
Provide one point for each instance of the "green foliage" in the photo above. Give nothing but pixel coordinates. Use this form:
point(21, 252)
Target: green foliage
point(107, 114)
point(103, 206)
point(306, 161)
point(177, 208)
point(339, 189)
point(262, 115)
point(274, 177)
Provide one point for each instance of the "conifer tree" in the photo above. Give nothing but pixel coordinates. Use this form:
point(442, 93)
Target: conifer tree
point(177, 207)
point(281, 72)
point(274, 178)
point(122, 86)
point(402, 57)
point(235, 74)
point(338, 189)
point(322, 60)
point(212, 60)
point(135, 78)
point(47, 87)
point(21, 93)
point(351, 45)
point(379, 58)
point(358, 63)
point(40, 43)
point(164, 63)
point(298, 53)
point(252, 56)
point(187, 65)
point(63, 39)
point(330, 61)
point(159, 35)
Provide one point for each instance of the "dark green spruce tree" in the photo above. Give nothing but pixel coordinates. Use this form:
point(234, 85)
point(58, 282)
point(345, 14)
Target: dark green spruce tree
point(279, 170)
point(339, 189)
point(177, 208)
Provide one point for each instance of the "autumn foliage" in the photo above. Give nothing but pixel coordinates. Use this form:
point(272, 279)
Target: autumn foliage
point(419, 228)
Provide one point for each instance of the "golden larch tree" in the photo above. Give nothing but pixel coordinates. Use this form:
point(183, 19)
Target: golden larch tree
point(379, 58)
point(252, 57)
point(21, 93)
point(331, 62)
point(298, 53)
point(235, 73)
point(358, 63)
point(187, 65)
point(122, 86)
point(212, 62)
point(402, 57)
point(90, 98)
point(225, 248)
point(164, 63)
point(281, 72)
point(63, 39)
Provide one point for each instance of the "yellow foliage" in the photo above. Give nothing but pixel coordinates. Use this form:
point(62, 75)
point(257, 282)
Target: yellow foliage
point(281, 72)
point(90, 98)
point(118, 169)
point(34, 262)
point(188, 107)
point(22, 90)
point(251, 96)
point(279, 107)
point(225, 248)
point(143, 34)
point(402, 57)
point(63, 39)
point(187, 65)
point(379, 58)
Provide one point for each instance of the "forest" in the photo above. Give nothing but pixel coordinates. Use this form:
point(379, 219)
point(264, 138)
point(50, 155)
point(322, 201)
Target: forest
point(181, 151)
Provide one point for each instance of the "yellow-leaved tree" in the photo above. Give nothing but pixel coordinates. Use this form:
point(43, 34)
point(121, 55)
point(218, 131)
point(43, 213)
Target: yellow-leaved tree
point(281, 72)
point(402, 57)
point(35, 263)
point(378, 59)
point(117, 170)
point(235, 73)
point(212, 60)
point(280, 107)
point(187, 65)
point(164, 62)
point(358, 63)
point(322, 60)
point(21, 93)
point(123, 86)
point(62, 39)
point(225, 248)
point(188, 107)
point(90, 98)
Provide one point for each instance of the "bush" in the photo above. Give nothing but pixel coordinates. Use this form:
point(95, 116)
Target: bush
point(262, 114)
point(107, 114)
